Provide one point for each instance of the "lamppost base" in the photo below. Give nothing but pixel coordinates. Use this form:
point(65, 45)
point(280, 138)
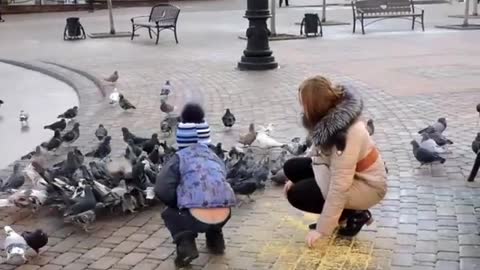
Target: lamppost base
point(257, 63)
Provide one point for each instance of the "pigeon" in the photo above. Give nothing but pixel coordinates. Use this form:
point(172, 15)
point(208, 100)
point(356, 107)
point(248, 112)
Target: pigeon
point(166, 89)
point(154, 156)
point(370, 127)
point(29, 198)
point(437, 136)
point(165, 107)
point(268, 129)
point(228, 119)
point(83, 219)
point(125, 104)
point(15, 246)
point(149, 145)
point(99, 171)
point(70, 113)
point(16, 179)
point(279, 178)
point(277, 164)
point(114, 96)
point(476, 144)
point(82, 204)
point(23, 117)
point(1, 103)
point(245, 187)
point(73, 162)
point(60, 125)
point(35, 240)
point(249, 138)
point(72, 135)
point(265, 141)
point(101, 132)
point(424, 156)
point(218, 150)
point(295, 147)
point(169, 123)
point(439, 126)
point(113, 78)
point(431, 145)
point(127, 135)
point(103, 149)
point(133, 148)
point(54, 142)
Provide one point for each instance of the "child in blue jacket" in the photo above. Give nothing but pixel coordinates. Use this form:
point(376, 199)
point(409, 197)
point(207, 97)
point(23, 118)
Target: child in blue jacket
point(193, 186)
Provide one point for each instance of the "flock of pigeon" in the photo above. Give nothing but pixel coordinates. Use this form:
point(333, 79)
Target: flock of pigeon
point(83, 186)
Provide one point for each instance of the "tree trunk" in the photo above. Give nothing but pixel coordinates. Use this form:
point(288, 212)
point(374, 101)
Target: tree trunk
point(110, 13)
point(475, 8)
point(273, 26)
point(324, 11)
point(465, 18)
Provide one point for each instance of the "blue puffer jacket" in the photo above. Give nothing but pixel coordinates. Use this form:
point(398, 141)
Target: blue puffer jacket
point(194, 178)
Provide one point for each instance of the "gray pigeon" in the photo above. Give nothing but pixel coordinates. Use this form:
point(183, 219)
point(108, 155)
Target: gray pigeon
point(478, 110)
point(103, 149)
point(295, 147)
point(248, 138)
point(16, 179)
point(228, 119)
point(277, 164)
point(113, 78)
point(72, 135)
point(424, 156)
point(165, 107)
point(476, 144)
point(82, 204)
point(101, 132)
point(370, 127)
point(279, 178)
point(438, 137)
point(36, 239)
point(60, 125)
point(438, 126)
point(125, 104)
point(70, 113)
point(54, 142)
point(23, 117)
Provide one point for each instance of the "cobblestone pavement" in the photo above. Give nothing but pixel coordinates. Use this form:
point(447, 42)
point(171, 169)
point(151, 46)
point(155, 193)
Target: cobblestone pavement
point(408, 79)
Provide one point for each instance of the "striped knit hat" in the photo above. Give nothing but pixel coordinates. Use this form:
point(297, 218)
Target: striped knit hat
point(192, 133)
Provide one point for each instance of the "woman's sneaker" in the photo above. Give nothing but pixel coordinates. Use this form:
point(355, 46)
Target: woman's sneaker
point(186, 251)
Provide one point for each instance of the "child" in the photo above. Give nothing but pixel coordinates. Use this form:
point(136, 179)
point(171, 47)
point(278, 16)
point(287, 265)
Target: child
point(193, 186)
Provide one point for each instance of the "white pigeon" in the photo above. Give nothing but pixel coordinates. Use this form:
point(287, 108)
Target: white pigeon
point(432, 146)
point(267, 130)
point(28, 198)
point(15, 246)
point(166, 89)
point(114, 96)
point(23, 117)
point(265, 141)
point(37, 180)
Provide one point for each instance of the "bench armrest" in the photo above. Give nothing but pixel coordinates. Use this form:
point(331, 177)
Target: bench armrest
point(136, 17)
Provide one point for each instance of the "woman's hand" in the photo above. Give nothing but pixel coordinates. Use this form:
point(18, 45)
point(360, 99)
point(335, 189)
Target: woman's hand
point(287, 187)
point(312, 237)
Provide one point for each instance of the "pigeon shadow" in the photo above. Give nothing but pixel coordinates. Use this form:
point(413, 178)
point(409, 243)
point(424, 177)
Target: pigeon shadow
point(1, 118)
point(25, 128)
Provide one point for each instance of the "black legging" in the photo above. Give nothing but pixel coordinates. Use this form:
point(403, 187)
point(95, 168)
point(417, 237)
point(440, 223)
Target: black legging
point(305, 194)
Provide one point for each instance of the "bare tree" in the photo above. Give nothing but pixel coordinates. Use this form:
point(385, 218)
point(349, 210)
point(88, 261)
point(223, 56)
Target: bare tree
point(324, 11)
point(465, 18)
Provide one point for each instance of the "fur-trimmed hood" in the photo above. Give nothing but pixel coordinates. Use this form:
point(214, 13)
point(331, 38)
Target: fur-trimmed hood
point(332, 129)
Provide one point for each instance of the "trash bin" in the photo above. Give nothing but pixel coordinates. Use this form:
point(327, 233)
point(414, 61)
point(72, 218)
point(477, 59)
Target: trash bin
point(310, 25)
point(73, 29)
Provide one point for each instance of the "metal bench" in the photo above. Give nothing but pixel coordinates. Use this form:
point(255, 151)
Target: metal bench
point(162, 16)
point(385, 9)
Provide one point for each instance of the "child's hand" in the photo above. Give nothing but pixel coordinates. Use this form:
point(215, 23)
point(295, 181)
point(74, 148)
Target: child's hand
point(287, 187)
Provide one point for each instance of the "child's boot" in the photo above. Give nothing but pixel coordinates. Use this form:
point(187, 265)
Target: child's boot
point(186, 249)
point(215, 241)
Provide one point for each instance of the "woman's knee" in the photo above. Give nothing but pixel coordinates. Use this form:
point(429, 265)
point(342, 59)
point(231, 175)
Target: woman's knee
point(297, 168)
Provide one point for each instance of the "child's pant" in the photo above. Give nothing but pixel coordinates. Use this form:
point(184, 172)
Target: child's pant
point(180, 222)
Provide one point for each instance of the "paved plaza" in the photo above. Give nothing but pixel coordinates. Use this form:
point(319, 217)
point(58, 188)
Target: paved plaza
point(407, 78)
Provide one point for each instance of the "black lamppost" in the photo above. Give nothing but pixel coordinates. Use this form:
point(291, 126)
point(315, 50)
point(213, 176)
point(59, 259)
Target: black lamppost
point(257, 55)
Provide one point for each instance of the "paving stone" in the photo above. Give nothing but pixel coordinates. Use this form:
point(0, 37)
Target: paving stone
point(125, 231)
point(51, 267)
point(27, 267)
point(96, 253)
point(469, 263)
point(104, 263)
point(75, 266)
point(66, 258)
point(469, 239)
point(144, 266)
point(132, 258)
point(138, 237)
point(446, 265)
point(126, 246)
point(425, 257)
point(161, 253)
point(402, 259)
point(448, 245)
point(448, 256)
point(469, 251)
